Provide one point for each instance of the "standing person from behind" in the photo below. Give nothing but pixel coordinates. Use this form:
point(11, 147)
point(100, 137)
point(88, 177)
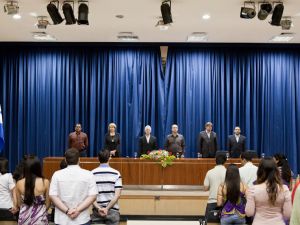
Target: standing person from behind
point(284, 168)
point(231, 195)
point(32, 194)
point(8, 199)
point(295, 217)
point(72, 190)
point(109, 184)
point(79, 140)
point(212, 181)
point(248, 171)
point(268, 201)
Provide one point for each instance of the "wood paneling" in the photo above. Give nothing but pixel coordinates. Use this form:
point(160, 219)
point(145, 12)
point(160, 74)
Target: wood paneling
point(144, 172)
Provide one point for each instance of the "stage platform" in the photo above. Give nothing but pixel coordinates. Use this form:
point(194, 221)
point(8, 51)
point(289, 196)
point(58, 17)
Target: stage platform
point(141, 172)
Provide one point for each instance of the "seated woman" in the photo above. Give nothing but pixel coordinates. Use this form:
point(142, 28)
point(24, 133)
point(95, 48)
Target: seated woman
point(7, 193)
point(231, 195)
point(268, 201)
point(32, 194)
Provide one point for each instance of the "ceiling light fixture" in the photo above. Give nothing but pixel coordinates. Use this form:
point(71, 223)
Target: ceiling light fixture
point(127, 36)
point(17, 16)
point(52, 9)
point(69, 12)
point(42, 22)
point(119, 16)
point(11, 8)
point(43, 36)
point(283, 37)
point(206, 17)
point(162, 26)
point(286, 22)
point(277, 14)
point(265, 10)
point(248, 11)
point(197, 37)
point(165, 9)
point(83, 12)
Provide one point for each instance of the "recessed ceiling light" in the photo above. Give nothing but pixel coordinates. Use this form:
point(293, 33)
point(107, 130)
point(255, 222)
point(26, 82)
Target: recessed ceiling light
point(283, 37)
point(33, 14)
point(160, 24)
point(206, 16)
point(127, 36)
point(16, 16)
point(197, 37)
point(43, 36)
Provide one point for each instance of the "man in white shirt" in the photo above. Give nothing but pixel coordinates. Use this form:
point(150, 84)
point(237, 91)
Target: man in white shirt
point(109, 184)
point(72, 190)
point(248, 171)
point(212, 181)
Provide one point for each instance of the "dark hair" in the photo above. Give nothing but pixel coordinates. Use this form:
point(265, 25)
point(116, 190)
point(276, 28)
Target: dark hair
point(247, 156)
point(3, 165)
point(18, 174)
point(268, 172)
point(104, 156)
point(32, 170)
point(282, 162)
point(72, 156)
point(232, 183)
point(220, 159)
point(63, 164)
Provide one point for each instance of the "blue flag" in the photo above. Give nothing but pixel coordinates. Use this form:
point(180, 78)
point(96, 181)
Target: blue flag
point(1, 132)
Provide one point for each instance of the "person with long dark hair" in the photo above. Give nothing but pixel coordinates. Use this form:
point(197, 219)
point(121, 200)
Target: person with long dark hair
point(284, 168)
point(33, 194)
point(268, 201)
point(231, 195)
point(7, 192)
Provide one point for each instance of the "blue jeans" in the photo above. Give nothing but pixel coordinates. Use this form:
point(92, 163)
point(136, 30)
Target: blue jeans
point(88, 223)
point(233, 219)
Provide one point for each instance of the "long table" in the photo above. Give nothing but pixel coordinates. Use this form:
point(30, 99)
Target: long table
point(187, 171)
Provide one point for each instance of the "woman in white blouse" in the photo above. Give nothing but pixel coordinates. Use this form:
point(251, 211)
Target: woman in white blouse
point(7, 192)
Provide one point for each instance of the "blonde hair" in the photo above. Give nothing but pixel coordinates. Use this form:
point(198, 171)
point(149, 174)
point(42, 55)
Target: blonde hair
point(112, 125)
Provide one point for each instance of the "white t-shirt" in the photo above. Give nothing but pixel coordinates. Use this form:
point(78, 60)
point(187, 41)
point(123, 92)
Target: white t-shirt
point(248, 174)
point(213, 179)
point(72, 185)
point(6, 186)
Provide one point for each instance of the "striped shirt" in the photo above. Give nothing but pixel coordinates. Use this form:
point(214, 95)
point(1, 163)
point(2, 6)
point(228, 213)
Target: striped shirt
point(107, 180)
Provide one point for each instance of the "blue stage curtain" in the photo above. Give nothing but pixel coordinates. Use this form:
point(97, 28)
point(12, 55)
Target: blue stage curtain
point(45, 91)
point(258, 90)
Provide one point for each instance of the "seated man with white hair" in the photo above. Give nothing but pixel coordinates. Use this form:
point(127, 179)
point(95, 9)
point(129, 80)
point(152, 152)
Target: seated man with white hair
point(147, 142)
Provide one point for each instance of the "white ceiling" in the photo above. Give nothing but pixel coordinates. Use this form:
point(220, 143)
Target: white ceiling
point(140, 17)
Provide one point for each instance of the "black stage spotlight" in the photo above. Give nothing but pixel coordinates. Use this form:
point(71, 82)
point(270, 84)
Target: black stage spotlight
point(52, 9)
point(286, 22)
point(248, 12)
point(265, 10)
point(69, 13)
point(83, 12)
point(165, 9)
point(277, 14)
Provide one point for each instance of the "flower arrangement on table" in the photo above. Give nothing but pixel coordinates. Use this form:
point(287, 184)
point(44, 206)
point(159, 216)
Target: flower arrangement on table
point(163, 157)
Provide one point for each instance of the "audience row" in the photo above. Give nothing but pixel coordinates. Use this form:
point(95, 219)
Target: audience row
point(250, 194)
